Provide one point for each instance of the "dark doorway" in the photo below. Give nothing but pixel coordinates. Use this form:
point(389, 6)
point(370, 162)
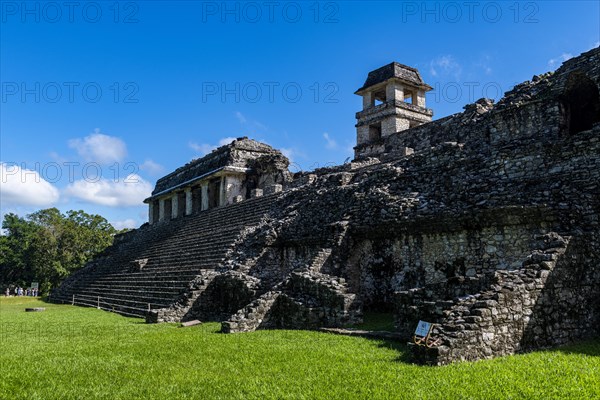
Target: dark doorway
point(582, 103)
point(375, 132)
point(180, 204)
point(196, 199)
point(168, 209)
point(155, 211)
point(214, 191)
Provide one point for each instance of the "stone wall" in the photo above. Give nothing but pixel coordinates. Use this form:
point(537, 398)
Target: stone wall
point(380, 267)
point(551, 301)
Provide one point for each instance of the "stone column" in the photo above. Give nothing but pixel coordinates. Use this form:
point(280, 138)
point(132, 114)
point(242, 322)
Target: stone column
point(394, 91)
point(222, 192)
point(161, 209)
point(368, 100)
point(174, 205)
point(151, 212)
point(204, 204)
point(420, 99)
point(188, 201)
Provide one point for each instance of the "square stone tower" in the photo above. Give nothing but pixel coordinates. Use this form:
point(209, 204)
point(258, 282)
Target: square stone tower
point(393, 100)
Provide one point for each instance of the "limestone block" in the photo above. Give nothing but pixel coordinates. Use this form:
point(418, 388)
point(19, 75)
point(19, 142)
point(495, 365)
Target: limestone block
point(274, 188)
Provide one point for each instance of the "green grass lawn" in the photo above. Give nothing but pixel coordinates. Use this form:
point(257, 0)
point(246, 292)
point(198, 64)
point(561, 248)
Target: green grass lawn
point(81, 353)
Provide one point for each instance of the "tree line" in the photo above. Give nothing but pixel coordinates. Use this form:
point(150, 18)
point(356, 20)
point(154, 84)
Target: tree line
point(47, 246)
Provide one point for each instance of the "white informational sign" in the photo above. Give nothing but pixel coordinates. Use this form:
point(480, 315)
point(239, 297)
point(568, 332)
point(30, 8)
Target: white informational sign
point(423, 329)
point(35, 285)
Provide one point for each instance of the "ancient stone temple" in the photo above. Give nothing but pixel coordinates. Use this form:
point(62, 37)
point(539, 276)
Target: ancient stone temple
point(240, 170)
point(485, 223)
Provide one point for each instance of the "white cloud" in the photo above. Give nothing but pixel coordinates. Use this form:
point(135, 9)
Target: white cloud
point(445, 66)
point(100, 148)
point(331, 144)
point(129, 192)
point(249, 125)
point(152, 167)
point(205, 148)
point(597, 44)
point(555, 62)
point(240, 117)
point(24, 187)
point(484, 63)
point(226, 140)
point(128, 223)
point(288, 152)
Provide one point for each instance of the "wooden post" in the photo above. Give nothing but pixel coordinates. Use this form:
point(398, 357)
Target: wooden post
point(98, 302)
point(148, 306)
point(73, 302)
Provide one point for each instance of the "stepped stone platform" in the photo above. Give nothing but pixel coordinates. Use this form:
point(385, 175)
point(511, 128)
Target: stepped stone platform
point(485, 223)
point(151, 267)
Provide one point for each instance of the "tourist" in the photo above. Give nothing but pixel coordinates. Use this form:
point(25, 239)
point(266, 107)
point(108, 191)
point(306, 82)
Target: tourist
point(20, 291)
point(7, 292)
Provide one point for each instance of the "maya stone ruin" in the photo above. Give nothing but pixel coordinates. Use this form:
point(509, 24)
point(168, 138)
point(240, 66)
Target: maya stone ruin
point(485, 223)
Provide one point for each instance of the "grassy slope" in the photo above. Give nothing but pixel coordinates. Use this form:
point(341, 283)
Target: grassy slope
point(69, 352)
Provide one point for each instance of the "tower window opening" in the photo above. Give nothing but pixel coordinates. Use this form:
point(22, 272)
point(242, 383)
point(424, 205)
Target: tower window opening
point(375, 132)
point(581, 102)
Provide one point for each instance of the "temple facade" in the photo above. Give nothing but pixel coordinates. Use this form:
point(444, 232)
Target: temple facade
point(232, 173)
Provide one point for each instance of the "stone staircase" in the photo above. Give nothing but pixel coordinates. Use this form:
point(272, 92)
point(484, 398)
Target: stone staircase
point(151, 267)
point(307, 298)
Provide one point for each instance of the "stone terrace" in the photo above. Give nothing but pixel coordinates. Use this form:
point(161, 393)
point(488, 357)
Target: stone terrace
point(151, 267)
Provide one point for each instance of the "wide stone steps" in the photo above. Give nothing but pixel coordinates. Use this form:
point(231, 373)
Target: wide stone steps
point(183, 266)
point(128, 290)
point(133, 296)
point(177, 251)
point(152, 285)
point(159, 279)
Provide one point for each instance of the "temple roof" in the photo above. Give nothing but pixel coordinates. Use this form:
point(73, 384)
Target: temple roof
point(234, 155)
point(396, 70)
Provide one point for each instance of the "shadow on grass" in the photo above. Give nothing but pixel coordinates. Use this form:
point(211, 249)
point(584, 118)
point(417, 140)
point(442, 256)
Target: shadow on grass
point(376, 321)
point(400, 347)
point(589, 347)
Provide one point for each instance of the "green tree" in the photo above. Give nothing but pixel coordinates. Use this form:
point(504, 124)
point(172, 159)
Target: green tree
point(48, 246)
point(16, 250)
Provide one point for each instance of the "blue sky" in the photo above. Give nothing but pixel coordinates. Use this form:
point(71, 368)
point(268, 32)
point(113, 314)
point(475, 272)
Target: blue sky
point(99, 99)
